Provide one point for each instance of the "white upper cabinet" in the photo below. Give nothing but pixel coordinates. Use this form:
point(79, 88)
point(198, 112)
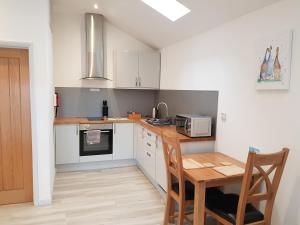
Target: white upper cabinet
point(138, 70)
point(149, 70)
point(127, 69)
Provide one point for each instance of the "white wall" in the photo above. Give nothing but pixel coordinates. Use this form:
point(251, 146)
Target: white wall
point(26, 24)
point(225, 59)
point(69, 50)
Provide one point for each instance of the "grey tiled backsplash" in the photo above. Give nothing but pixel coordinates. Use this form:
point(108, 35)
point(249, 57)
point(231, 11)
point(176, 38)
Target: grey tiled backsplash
point(86, 102)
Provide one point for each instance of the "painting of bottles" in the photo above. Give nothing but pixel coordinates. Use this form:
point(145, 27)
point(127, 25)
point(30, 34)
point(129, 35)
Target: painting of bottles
point(270, 69)
point(275, 62)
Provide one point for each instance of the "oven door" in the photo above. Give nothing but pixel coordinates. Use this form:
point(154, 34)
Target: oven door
point(183, 125)
point(103, 148)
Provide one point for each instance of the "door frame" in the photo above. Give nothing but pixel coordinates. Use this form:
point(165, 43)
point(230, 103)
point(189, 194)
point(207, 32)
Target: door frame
point(30, 47)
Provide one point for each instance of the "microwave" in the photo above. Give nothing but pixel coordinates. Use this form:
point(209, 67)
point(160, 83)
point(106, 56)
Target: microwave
point(193, 125)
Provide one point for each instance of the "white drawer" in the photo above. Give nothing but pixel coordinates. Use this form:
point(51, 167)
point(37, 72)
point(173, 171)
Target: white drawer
point(150, 136)
point(149, 160)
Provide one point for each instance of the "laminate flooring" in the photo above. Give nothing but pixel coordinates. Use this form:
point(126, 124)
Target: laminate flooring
point(119, 196)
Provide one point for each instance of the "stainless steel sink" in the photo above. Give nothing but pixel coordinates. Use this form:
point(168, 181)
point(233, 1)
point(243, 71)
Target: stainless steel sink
point(161, 122)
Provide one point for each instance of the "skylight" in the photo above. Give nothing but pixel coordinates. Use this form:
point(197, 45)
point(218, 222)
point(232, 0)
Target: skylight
point(171, 9)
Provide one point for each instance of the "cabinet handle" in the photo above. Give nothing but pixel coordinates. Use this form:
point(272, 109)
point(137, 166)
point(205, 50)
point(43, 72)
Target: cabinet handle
point(149, 134)
point(156, 140)
point(136, 81)
point(101, 131)
point(148, 154)
point(77, 129)
point(140, 81)
point(115, 130)
point(148, 144)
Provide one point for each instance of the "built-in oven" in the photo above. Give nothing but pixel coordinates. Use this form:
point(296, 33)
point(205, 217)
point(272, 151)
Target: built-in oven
point(96, 139)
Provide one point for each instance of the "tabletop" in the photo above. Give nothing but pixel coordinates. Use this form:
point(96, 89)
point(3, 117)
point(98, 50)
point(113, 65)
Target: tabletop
point(209, 175)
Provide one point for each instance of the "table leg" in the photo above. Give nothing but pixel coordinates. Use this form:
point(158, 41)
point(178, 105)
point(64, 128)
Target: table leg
point(199, 204)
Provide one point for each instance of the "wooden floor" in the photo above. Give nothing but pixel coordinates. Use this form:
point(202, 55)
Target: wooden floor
point(121, 196)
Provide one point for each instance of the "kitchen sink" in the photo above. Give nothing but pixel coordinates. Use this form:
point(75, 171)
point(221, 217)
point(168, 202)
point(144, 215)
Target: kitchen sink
point(161, 122)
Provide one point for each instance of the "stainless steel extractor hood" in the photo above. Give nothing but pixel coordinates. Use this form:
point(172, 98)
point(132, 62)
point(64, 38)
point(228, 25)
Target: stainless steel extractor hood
point(94, 46)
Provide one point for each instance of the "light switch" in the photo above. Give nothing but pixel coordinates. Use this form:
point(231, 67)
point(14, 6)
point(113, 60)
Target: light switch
point(223, 117)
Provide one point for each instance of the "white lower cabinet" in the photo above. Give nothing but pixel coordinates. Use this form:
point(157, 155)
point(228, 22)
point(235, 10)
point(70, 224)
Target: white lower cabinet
point(67, 144)
point(145, 152)
point(123, 141)
point(160, 175)
point(150, 155)
point(139, 151)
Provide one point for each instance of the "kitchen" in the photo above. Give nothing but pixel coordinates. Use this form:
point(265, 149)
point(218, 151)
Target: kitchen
point(103, 87)
point(135, 75)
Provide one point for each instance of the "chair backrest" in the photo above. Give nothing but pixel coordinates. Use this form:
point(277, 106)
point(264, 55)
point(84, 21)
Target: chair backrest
point(173, 159)
point(261, 168)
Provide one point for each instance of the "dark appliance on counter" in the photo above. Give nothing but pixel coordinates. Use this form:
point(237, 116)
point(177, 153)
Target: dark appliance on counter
point(104, 144)
point(104, 109)
point(94, 118)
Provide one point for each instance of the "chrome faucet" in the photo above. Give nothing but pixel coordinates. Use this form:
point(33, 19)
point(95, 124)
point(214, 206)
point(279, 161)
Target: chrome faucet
point(166, 106)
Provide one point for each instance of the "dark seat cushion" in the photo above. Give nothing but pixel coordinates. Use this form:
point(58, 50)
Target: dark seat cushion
point(226, 206)
point(190, 189)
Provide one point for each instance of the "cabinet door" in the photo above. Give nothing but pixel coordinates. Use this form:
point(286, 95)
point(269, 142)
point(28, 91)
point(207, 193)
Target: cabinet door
point(149, 158)
point(149, 70)
point(140, 145)
point(161, 173)
point(126, 69)
point(123, 141)
point(67, 144)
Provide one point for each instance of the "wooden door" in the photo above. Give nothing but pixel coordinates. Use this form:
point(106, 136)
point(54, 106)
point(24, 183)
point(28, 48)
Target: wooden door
point(15, 127)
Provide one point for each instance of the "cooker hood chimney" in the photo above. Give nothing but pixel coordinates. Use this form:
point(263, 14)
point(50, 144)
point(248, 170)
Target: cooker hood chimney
point(94, 46)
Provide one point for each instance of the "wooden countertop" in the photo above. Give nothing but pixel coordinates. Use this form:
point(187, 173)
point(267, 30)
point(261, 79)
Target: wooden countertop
point(171, 131)
point(159, 130)
point(82, 120)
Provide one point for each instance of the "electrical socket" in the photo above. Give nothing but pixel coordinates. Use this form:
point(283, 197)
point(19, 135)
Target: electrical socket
point(223, 117)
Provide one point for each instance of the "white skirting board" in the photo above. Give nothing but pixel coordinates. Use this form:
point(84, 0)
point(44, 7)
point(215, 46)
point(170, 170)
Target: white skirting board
point(95, 165)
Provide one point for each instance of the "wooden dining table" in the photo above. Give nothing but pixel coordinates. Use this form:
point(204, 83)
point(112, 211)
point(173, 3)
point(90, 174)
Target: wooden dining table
point(204, 178)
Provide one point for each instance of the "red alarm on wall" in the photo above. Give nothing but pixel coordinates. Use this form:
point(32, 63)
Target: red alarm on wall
point(55, 102)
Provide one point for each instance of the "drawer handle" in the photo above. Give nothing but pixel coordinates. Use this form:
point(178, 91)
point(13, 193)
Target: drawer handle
point(148, 154)
point(148, 144)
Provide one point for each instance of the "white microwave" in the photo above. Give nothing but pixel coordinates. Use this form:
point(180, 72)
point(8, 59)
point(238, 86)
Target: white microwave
point(193, 125)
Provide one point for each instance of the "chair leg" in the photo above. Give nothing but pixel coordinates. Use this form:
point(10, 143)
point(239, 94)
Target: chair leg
point(169, 210)
point(181, 214)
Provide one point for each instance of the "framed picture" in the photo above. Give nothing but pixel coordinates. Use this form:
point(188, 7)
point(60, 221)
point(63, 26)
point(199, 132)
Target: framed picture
point(274, 62)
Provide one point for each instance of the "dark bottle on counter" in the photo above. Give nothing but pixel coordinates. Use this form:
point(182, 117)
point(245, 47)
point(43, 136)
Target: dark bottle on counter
point(104, 109)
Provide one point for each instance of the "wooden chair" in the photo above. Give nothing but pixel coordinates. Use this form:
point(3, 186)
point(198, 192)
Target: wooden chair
point(179, 190)
point(231, 209)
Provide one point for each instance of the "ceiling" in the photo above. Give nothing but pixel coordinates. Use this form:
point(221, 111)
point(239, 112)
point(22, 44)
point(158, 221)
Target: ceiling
point(147, 25)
